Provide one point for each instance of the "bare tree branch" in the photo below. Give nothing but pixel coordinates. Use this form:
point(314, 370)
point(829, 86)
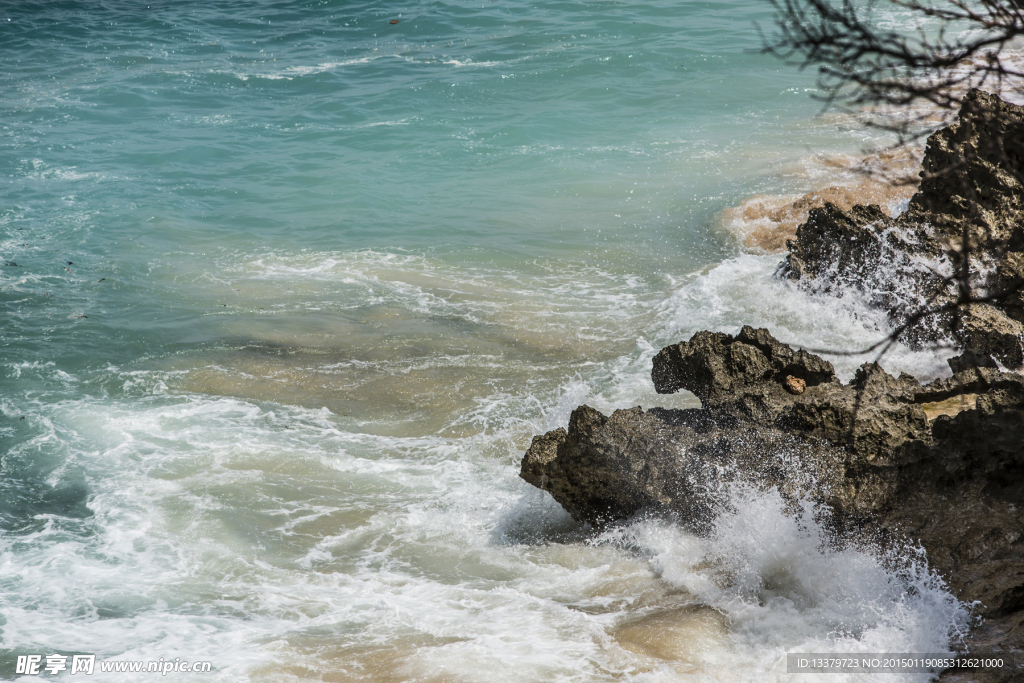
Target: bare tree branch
point(908, 81)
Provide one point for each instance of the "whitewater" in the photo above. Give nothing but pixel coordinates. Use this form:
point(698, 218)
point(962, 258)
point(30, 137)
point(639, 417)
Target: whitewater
point(287, 288)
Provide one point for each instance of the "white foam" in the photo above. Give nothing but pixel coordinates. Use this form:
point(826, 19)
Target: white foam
point(264, 536)
point(261, 537)
point(744, 291)
point(784, 587)
point(469, 62)
point(399, 122)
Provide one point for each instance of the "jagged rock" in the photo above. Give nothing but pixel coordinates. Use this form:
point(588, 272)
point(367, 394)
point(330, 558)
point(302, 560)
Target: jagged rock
point(606, 468)
point(746, 373)
point(609, 468)
point(940, 463)
point(990, 331)
point(972, 187)
point(974, 171)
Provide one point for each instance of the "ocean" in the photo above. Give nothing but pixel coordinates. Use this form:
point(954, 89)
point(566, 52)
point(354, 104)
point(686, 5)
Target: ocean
point(288, 287)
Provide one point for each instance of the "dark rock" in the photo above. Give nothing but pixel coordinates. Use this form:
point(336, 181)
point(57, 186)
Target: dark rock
point(972, 192)
point(940, 463)
point(989, 330)
point(746, 373)
point(604, 469)
point(974, 171)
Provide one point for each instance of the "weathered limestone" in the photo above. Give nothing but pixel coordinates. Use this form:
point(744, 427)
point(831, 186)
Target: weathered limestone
point(972, 190)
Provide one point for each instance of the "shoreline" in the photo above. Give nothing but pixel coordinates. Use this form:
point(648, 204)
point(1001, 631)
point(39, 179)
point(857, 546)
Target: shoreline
point(894, 462)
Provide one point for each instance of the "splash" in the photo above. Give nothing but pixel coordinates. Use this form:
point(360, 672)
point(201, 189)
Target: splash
point(769, 580)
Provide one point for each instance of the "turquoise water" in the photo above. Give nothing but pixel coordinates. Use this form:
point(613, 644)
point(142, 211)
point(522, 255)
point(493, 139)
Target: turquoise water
point(294, 287)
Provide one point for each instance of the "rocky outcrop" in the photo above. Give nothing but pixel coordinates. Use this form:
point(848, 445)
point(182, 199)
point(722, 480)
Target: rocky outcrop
point(940, 463)
point(674, 462)
point(972, 192)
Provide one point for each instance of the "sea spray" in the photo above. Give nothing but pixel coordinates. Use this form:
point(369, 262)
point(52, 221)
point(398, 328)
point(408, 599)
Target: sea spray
point(782, 582)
